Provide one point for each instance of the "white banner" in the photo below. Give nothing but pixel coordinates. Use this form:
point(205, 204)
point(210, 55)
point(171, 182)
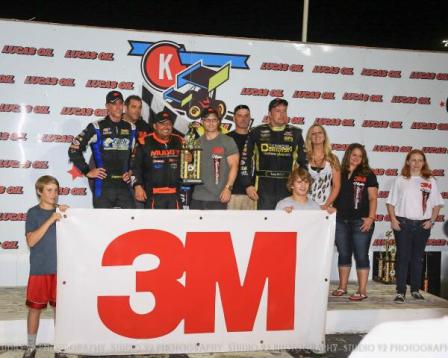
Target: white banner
point(160, 281)
point(54, 80)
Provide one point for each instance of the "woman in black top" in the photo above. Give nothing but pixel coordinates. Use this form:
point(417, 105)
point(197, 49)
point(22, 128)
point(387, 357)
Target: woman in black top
point(355, 221)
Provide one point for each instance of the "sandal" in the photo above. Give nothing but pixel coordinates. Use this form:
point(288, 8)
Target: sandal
point(357, 297)
point(339, 292)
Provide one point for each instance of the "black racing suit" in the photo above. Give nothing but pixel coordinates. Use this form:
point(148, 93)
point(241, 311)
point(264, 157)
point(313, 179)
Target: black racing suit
point(112, 144)
point(267, 159)
point(156, 166)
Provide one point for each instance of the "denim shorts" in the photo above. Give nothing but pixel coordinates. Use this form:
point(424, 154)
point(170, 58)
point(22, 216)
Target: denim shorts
point(350, 240)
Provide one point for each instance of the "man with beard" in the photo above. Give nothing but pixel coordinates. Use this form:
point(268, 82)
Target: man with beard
point(271, 152)
point(156, 166)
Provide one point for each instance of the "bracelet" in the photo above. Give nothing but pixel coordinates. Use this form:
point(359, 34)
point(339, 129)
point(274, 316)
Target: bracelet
point(371, 218)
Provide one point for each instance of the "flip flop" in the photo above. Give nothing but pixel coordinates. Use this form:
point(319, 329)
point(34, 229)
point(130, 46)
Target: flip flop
point(357, 297)
point(339, 292)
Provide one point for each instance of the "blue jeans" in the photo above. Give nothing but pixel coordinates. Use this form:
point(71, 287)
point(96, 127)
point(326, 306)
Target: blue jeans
point(411, 242)
point(351, 240)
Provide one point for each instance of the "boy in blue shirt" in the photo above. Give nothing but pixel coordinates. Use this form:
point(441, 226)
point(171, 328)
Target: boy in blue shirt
point(40, 231)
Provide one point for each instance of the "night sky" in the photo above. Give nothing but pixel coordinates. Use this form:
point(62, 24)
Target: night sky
point(374, 23)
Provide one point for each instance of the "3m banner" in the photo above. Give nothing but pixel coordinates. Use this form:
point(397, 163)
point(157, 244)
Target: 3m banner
point(155, 281)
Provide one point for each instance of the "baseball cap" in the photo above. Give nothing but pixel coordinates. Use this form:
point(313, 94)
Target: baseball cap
point(277, 102)
point(163, 116)
point(112, 96)
point(207, 111)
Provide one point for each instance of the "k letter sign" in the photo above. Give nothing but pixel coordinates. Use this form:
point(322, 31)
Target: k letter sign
point(150, 281)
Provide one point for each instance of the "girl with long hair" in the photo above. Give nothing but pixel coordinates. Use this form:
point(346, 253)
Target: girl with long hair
point(413, 205)
point(355, 220)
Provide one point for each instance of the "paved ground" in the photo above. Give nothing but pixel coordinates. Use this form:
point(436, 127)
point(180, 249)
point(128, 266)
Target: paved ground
point(338, 346)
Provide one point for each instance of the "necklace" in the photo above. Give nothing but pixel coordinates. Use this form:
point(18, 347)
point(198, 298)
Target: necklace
point(319, 162)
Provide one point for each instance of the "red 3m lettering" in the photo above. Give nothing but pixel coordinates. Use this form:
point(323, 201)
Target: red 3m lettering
point(211, 261)
point(208, 261)
point(115, 311)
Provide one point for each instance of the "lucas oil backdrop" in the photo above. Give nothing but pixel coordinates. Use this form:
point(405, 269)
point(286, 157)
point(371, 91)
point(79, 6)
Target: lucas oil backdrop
point(54, 80)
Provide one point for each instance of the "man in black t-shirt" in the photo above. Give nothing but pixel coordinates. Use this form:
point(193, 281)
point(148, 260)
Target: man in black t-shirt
point(239, 199)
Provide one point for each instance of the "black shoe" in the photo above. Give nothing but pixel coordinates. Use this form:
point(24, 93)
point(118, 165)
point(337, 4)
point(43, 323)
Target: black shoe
point(399, 298)
point(29, 353)
point(417, 295)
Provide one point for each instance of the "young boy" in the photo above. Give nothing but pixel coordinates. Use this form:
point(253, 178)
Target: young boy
point(40, 231)
point(299, 183)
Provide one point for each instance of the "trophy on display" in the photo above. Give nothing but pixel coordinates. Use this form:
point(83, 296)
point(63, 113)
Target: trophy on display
point(388, 259)
point(190, 158)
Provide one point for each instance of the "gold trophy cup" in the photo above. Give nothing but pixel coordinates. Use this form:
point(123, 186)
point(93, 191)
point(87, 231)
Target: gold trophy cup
point(190, 159)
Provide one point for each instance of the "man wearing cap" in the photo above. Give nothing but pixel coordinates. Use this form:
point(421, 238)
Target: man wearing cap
point(242, 119)
point(112, 141)
point(271, 151)
point(156, 166)
point(219, 165)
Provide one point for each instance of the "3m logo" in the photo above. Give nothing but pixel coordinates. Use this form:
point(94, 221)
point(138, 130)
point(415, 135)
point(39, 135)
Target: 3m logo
point(207, 262)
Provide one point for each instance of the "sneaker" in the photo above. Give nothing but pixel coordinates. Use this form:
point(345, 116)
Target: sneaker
point(399, 298)
point(417, 295)
point(29, 353)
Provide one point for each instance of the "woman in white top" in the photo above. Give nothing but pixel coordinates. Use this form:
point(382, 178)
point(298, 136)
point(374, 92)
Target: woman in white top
point(413, 205)
point(323, 166)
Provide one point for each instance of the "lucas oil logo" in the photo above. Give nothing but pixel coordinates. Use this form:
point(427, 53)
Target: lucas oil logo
point(188, 80)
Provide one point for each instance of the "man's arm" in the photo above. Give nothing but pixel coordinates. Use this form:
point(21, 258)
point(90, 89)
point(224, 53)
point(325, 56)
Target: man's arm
point(233, 162)
point(137, 168)
point(78, 146)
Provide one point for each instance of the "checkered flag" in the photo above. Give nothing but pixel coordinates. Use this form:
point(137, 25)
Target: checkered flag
point(153, 103)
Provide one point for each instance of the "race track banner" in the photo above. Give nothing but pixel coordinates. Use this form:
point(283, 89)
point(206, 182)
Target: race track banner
point(161, 281)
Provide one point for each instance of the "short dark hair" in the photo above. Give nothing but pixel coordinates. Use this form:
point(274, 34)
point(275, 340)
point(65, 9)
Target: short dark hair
point(130, 98)
point(241, 106)
point(209, 110)
point(277, 102)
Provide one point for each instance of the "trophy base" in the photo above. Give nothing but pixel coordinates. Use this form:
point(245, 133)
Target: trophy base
point(191, 181)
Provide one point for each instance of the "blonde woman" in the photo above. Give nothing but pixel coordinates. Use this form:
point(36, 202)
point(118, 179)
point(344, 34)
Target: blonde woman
point(323, 166)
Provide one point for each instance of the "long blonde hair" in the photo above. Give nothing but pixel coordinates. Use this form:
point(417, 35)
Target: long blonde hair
point(328, 154)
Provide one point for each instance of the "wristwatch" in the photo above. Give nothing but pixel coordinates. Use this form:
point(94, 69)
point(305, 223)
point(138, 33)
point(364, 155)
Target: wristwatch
point(230, 187)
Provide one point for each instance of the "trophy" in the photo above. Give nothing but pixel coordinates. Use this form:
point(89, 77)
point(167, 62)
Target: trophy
point(190, 158)
point(388, 275)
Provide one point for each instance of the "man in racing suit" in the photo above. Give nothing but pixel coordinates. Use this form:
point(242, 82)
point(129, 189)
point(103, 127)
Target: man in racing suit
point(156, 166)
point(271, 151)
point(112, 141)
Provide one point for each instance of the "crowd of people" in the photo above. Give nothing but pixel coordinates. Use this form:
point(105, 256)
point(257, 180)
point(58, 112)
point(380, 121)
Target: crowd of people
point(137, 164)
